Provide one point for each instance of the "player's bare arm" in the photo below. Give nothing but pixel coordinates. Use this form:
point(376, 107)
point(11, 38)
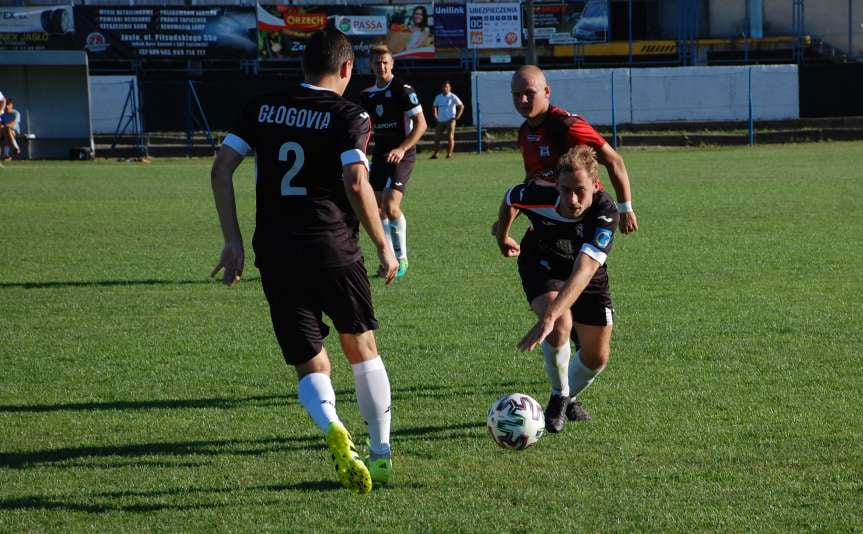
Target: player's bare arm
point(509, 247)
point(619, 176)
point(222, 181)
point(419, 129)
point(362, 199)
point(582, 272)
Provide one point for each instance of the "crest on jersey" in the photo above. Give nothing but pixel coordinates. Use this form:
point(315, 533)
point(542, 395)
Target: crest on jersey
point(414, 99)
point(579, 230)
point(388, 93)
point(379, 109)
point(602, 238)
point(544, 151)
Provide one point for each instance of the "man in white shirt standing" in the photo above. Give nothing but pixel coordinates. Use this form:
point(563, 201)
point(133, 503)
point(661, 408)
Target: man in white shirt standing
point(447, 110)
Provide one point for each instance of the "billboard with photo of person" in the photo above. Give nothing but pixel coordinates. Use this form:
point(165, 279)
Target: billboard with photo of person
point(406, 29)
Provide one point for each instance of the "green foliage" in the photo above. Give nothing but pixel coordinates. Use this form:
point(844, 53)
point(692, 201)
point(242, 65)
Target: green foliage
point(138, 395)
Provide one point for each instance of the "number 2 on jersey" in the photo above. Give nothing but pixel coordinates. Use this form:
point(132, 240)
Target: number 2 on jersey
point(289, 190)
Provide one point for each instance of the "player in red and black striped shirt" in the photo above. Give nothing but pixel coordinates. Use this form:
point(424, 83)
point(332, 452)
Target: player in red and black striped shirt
point(548, 132)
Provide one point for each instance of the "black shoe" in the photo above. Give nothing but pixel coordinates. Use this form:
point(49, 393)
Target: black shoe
point(554, 413)
point(576, 412)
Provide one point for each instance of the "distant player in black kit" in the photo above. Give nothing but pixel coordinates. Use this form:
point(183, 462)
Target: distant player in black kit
point(561, 261)
point(312, 191)
point(399, 124)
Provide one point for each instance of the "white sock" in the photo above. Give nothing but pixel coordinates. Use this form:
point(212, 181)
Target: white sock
point(556, 361)
point(400, 237)
point(374, 399)
point(579, 375)
point(317, 396)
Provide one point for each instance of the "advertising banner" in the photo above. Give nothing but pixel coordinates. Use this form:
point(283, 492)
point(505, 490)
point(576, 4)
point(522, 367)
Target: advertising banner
point(450, 25)
point(406, 29)
point(37, 28)
point(570, 22)
point(495, 25)
point(163, 32)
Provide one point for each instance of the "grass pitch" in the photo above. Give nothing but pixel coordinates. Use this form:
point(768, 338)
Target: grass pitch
point(136, 395)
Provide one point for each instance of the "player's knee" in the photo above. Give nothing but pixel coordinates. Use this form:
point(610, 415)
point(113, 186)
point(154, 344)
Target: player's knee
point(562, 329)
point(595, 359)
point(393, 212)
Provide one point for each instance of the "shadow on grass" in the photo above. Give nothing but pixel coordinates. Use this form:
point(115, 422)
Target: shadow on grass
point(73, 504)
point(213, 448)
point(111, 283)
point(221, 403)
point(45, 503)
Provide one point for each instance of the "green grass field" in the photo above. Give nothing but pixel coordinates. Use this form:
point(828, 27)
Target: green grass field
point(136, 395)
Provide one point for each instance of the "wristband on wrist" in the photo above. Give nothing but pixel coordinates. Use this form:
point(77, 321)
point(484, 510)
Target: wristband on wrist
point(624, 207)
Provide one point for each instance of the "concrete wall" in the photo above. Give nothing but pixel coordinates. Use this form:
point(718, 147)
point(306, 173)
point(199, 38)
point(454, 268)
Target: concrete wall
point(651, 95)
point(52, 94)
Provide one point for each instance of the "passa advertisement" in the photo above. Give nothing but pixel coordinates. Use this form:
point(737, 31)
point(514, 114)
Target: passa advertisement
point(37, 28)
point(450, 25)
point(496, 25)
point(406, 29)
point(165, 32)
point(570, 22)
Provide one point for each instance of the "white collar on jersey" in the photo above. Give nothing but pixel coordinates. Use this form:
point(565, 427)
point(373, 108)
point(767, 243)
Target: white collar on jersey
point(374, 88)
point(315, 87)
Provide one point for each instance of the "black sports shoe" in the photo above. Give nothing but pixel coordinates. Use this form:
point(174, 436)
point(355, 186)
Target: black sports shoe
point(554, 417)
point(576, 412)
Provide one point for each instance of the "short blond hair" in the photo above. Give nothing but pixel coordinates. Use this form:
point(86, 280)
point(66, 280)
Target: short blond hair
point(380, 50)
point(579, 157)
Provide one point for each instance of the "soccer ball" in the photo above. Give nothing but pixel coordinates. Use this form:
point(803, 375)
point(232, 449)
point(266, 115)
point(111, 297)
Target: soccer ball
point(515, 421)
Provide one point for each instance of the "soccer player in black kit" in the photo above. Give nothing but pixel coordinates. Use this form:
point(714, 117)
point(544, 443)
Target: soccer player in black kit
point(399, 124)
point(561, 262)
point(311, 193)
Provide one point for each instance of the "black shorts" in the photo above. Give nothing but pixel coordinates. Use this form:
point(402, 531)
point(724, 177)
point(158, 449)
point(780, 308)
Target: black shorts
point(299, 297)
point(593, 306)
point(385, 175)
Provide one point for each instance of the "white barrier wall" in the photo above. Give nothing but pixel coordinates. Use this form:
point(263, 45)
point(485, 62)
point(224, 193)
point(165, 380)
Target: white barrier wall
point(714, 93)
point(650, 95)
point(108, 95)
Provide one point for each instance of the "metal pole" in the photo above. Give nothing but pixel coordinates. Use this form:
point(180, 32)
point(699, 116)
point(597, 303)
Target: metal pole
point(531, 41)
point(629, 8)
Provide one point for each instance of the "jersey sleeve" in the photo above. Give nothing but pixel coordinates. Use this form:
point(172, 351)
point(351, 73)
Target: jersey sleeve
point(354, 138)
point(604, 225)
point(241, 137)
point(580, 132)
point(410, 102)
point(514, 195)
point(458, 101)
